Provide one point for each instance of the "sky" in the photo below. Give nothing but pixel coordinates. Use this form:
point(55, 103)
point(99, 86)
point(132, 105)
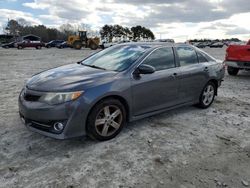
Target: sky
point(177, 19)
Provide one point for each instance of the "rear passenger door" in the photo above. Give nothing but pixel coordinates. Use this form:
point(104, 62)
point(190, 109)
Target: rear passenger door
point(193, 76)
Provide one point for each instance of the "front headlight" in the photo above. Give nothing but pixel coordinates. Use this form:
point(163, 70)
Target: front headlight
point(57, 98)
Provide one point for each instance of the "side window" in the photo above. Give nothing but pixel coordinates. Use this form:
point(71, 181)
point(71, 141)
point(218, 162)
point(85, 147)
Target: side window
point(201, 57)
point(161, 59)
point(208, 57)
point(187, 56)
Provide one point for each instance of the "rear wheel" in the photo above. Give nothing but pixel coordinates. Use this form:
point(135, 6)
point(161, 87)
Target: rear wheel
point(207, 95)
point(106, 119)
point(19, 47)
point(77, 45)
point(38, 47)
point(232, 71)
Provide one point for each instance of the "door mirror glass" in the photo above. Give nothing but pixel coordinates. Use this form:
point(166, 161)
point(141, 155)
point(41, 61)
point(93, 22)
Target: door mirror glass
point(145, 69)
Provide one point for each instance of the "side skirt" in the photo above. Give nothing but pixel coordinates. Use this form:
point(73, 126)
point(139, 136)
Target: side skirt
point(134, 118)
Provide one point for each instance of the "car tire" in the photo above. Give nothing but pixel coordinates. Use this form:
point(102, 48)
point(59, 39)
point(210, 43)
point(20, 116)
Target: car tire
point(77, 45)
point(19, 47)
point(38, 47)
point(106, 119)
point(93, 46)
point(207, 95)
point(232, 71)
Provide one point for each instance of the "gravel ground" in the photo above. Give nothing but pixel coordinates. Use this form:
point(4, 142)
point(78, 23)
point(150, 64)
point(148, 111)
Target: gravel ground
point(186, 147)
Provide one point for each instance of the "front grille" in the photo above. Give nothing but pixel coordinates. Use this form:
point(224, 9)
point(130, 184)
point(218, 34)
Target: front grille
point(30, 97)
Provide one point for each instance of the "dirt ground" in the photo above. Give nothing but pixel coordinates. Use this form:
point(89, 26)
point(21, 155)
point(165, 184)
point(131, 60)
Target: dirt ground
point(182, 148)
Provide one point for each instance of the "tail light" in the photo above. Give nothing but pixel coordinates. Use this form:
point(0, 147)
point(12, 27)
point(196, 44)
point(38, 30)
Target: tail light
point(226, 56)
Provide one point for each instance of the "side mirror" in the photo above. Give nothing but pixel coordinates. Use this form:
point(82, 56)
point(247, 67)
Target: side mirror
point(145, 69)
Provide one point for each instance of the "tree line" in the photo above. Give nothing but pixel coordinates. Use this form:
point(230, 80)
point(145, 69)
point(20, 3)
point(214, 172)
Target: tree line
point(21, 27)
point(109, 32)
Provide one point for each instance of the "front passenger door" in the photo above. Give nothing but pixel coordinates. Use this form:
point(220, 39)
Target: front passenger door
point(158, 90)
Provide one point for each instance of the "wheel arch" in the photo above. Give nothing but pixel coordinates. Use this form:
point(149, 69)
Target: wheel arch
point(114, 96)
point(215, 82)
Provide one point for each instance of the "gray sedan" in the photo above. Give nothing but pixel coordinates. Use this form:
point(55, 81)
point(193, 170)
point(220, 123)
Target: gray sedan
point(123, 83)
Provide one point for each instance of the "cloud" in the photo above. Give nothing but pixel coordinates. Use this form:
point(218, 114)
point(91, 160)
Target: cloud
point(6, 14)
point(238, 31)
point(167, 18)
point(8, 1)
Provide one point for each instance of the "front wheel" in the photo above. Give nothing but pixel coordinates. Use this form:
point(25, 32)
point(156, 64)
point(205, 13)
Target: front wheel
point(232, 71)
point(207, 95)
point(106, 120)
point(77, 45)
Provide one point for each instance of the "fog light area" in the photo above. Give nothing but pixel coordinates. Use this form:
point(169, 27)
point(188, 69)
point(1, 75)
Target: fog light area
point(58, 126)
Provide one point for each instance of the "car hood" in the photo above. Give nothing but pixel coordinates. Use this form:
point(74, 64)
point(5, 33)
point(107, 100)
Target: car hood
point(73, 77)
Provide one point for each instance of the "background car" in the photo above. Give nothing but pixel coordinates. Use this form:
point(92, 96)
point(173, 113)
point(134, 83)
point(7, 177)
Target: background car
point(108, 44)
point(201, 45)
point(165, 40)
point(63, 45)
point(9, 45)
point(53, 43)
point(237, 58)
point(29, 44)
point(217, 45)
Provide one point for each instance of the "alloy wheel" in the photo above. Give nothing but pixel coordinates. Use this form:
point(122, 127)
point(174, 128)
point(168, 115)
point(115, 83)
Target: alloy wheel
point(208, 95)
point(108, 120)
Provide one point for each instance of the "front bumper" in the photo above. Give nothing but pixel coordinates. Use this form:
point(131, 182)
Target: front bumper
point(40, 117)
point(238, 64)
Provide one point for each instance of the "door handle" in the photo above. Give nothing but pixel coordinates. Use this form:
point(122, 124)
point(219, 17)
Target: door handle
point(174, 75)
point(248, 49)
point(206, 69)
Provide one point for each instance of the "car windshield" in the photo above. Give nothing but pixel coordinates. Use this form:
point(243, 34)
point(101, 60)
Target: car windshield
point(117, 58)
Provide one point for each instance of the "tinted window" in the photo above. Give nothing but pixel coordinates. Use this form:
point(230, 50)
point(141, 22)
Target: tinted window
point(187, 56)
point(201, 57)
point(160, 59)
point(116, 58)
point(208, 57)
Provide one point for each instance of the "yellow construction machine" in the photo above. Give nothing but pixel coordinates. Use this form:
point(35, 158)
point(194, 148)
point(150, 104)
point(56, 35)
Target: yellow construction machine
point(81, 40)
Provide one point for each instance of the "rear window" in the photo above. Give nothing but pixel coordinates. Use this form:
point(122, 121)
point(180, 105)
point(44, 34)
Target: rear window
point(201, 57)
point(208, 57)
point(204, 54)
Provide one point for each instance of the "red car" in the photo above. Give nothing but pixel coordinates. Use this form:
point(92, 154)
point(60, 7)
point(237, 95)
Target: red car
point(29, 44)
point(237, 58)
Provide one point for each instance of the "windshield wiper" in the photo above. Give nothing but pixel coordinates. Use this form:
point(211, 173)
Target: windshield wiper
point(93, 66)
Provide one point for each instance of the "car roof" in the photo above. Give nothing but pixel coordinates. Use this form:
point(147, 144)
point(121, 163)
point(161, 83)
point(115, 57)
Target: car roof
point(155, 44)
